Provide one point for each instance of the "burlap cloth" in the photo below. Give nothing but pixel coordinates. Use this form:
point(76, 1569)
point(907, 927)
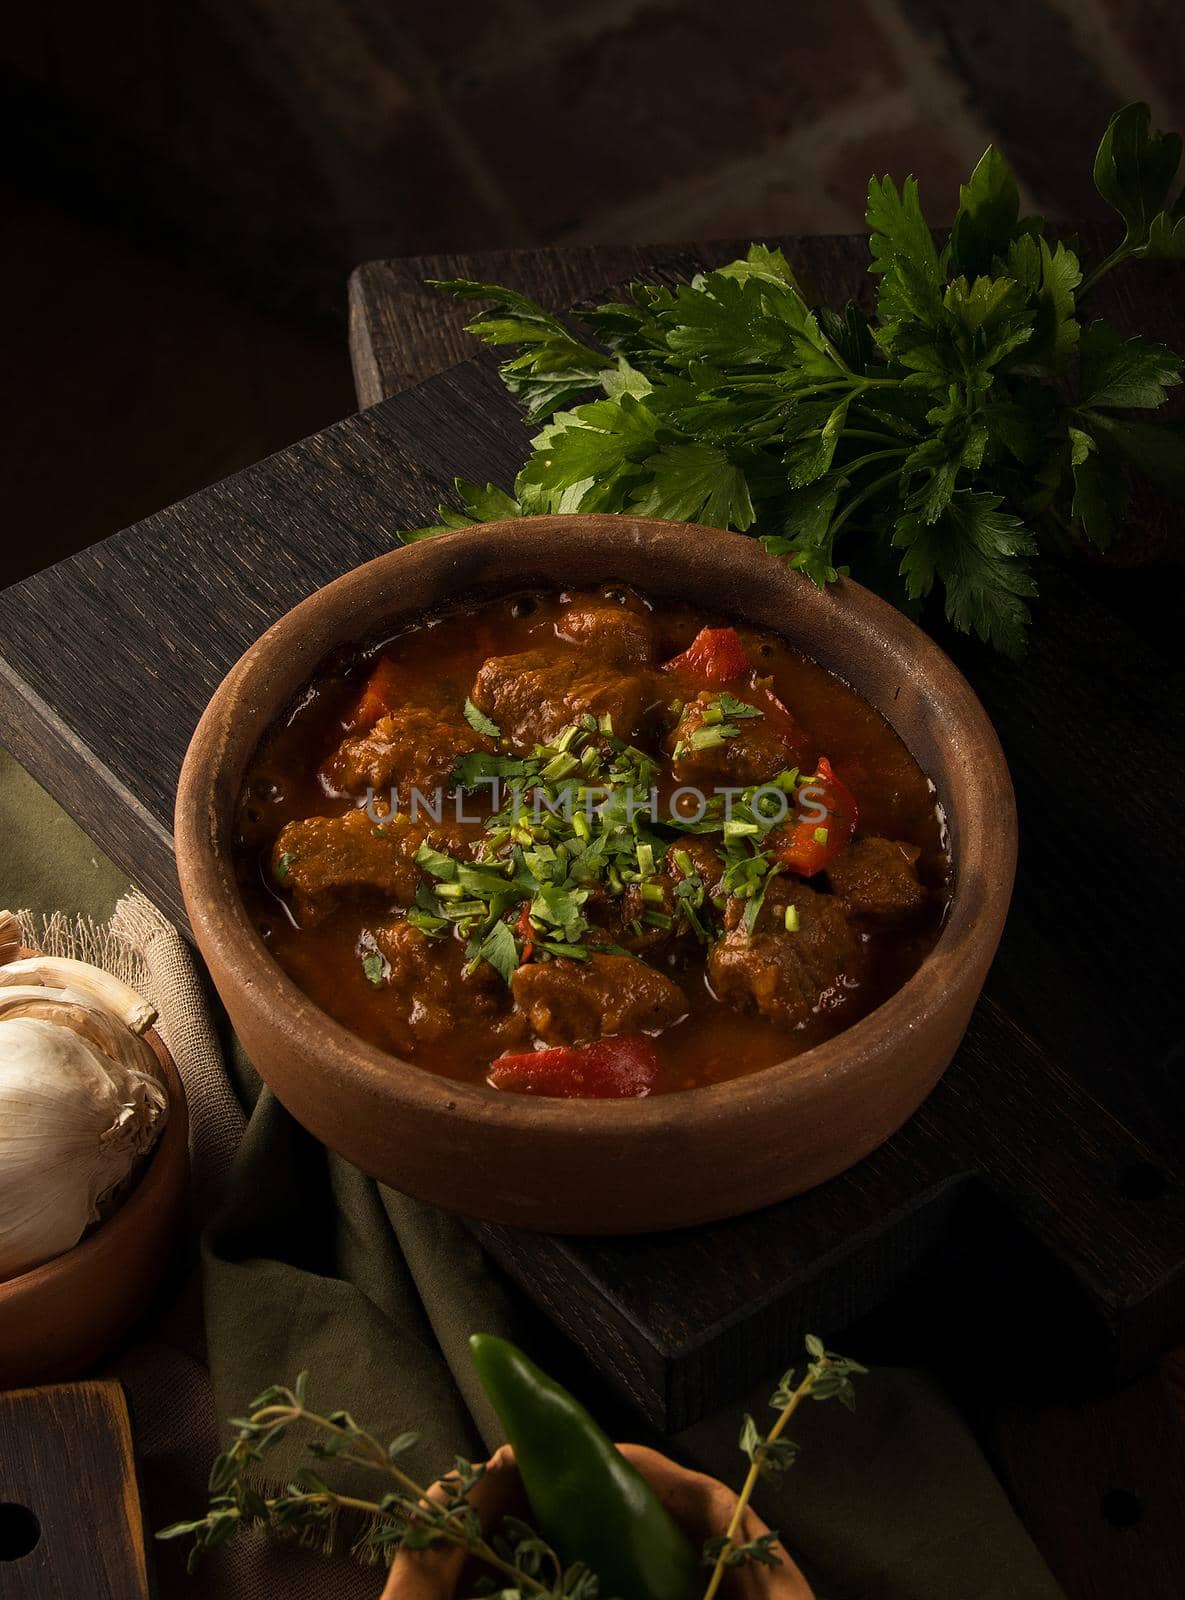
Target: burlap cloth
point(297, 1261)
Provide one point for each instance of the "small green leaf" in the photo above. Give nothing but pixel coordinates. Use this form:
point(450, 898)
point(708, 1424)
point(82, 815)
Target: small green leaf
point(500, 950)
point(1098, 498)
point(979, 553)
point(1155, 449)
point(696, 483)
point(480, 723)
point(1135, 167)
point(374, 968)
point(1166, 237)
point(811, 460)
point(1123, 372)
point(989, 204)
point(903, 253)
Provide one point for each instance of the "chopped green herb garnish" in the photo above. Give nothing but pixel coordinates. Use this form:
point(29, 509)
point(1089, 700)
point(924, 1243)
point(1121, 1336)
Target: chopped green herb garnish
point(284, 866)
point(735, 710)
point(436, 862)
point(820, 835)
point(374, 967)
point(791, 919)
point(501, 950)
point(480, 723)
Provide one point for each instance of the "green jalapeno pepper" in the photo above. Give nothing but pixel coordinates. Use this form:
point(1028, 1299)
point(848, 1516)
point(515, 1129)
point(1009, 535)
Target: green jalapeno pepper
point(586, 1499)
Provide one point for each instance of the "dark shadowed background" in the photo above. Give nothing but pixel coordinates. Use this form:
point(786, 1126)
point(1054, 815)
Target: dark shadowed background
point(191, 181)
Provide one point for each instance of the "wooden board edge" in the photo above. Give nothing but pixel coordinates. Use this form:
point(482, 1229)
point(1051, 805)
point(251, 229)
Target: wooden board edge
point(89, 792)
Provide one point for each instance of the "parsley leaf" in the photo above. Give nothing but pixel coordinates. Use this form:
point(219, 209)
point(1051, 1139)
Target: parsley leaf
point(989, 204)
point(1134, 170)
point(695, 483)
point(978, 553)
point(1125, 372)
point(553, 369)
point(903, 254)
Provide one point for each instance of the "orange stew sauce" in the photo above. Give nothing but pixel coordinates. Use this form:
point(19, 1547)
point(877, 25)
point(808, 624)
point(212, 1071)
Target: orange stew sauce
point(347, 901)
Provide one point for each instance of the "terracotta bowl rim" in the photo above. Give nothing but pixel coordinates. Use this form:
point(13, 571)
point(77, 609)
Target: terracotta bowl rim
point(170, 1151)
point(974, 917)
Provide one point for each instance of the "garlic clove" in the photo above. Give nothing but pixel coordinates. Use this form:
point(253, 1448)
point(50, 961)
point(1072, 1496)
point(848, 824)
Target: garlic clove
point(70, 1008)
point(10, 937)
point(100, 986)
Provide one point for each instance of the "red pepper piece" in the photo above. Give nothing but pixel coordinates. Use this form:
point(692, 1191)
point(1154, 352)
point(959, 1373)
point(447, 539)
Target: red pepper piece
point(714, 657)
point(379, 698)
point(608, 1069)
point(525, 932)
point(807, 844)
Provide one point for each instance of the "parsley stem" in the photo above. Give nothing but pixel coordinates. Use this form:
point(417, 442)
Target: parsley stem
point(1117, 255)
point(858, 500)
point(875, 455)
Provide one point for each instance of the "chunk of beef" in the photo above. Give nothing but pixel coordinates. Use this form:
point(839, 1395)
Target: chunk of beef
point(786, 976)
point(567, 1001)
point(639, 935)
point(414, 747)
point(703, 758)
point(704, 858)
point(876, 880)
point(433, 996)
point(320, 859)
point(621, 637)
point(635, 933)
point(534, 696)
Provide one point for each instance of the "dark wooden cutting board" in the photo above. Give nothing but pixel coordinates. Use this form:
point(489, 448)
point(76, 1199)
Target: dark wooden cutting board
point(1044, 1170)
point(70, 1522)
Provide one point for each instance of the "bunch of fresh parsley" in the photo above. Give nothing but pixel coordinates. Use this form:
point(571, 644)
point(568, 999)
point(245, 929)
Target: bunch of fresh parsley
point(975, 417)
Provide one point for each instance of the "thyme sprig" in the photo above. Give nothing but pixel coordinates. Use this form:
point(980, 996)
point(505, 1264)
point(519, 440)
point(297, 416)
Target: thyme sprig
point(402, 1517)
point(828, 1377)
point(405, 1517)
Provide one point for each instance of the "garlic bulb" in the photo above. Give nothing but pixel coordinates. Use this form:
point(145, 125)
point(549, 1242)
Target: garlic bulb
point(80, 1102)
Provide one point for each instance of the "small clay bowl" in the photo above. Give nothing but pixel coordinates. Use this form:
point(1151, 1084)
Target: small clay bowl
point(702, 1507)
point(607, 1166)
point(61, 1317)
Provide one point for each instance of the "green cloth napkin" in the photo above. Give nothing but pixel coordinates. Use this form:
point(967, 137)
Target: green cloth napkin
point(308, 1265)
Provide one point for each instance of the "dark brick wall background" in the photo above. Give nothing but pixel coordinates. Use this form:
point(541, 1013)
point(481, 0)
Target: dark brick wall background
point(192, 182)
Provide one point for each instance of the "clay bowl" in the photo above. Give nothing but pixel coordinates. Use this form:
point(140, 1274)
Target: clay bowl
point(701, 1506)
point(62, 1316)
point(572, 1166)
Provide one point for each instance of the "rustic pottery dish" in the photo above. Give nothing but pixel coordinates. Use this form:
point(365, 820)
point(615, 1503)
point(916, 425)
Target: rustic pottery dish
point(701, 1506)
point(621, 1166)
point(62, 1316)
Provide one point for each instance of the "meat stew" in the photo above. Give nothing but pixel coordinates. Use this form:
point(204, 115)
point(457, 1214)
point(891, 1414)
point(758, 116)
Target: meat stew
point(589, 844)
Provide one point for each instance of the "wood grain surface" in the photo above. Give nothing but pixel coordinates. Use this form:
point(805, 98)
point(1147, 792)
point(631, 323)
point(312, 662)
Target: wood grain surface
point(70, 1523)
